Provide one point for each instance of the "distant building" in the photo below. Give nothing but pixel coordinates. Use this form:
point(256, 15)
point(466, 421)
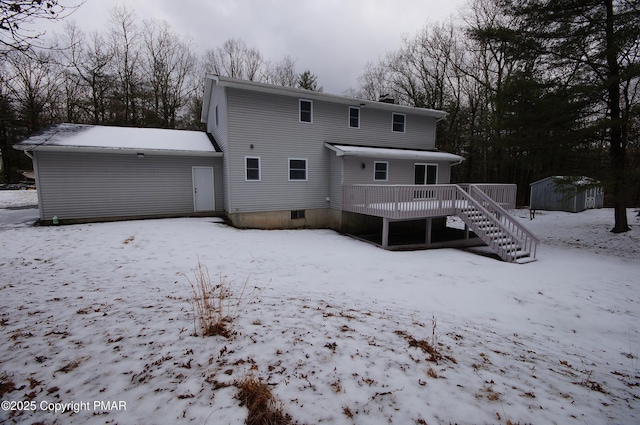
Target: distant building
point(562, 193)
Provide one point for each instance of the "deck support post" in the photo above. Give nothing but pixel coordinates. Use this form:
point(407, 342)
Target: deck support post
point(385, 232)
point(427, 233)
point(466, 231)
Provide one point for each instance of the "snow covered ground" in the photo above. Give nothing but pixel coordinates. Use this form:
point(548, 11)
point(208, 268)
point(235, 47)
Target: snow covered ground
point(18, 198)
point(336, 327)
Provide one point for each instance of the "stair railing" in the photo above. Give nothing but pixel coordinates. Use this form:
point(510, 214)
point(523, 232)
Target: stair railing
point(529, 240)
point(502, 251)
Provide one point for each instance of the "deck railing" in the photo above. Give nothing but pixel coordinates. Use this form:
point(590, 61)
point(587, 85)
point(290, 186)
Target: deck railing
point(503, 194)
point(400, 201)
point(416, 201)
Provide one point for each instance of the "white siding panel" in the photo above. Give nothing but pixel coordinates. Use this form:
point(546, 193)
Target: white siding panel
point(268, 126)
point(99, 185)
point(335, 180)
point(221, 134)
point(400, 171)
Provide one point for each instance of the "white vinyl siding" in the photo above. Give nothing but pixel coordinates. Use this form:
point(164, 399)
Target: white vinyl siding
point(101, 185)
point(399, 122)
point(271, 124)
point(297, 169)
point(354, 117)
point(306, 111)
point(252, 168)
point(381, 171)
point(403, 171)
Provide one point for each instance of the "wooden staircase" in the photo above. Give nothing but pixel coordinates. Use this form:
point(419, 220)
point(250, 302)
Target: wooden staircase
point(495, 226)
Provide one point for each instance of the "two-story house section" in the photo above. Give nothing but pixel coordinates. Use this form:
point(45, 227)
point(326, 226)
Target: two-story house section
point(290, 153)
point(279, 157)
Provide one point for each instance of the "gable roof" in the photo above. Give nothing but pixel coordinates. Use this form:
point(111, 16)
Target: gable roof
point(91, 138)
point(210, 80)
point(569, 180)
point(390, 153)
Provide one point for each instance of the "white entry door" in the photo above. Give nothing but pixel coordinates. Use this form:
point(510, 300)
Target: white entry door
point(203, 199)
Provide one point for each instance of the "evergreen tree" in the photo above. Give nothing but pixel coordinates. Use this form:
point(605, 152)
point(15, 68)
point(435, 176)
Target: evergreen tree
point(592, 48)
point(308, 81)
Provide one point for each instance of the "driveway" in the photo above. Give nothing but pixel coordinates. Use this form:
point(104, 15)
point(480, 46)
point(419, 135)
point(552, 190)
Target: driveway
point(18, 216)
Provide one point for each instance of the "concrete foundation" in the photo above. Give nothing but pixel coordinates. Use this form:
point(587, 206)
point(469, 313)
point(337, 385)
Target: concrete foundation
point(323, 218)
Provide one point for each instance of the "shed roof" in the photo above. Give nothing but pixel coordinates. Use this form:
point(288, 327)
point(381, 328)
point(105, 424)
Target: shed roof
point(390, 153)
point(574, 180)
point(307, 94)
point(82, 137)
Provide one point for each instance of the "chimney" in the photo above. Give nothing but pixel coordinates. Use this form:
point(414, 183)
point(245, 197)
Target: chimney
point(385, 98)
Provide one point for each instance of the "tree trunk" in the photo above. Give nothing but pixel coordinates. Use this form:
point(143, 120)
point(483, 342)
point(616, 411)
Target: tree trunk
point(617, 150)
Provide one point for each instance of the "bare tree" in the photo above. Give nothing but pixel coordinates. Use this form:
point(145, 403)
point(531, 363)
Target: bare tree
point(17, 15)
point(124, 39)
point(282, 73)
point(33, 88)
point(234, 59)
point(88, 81)
point(170, 66)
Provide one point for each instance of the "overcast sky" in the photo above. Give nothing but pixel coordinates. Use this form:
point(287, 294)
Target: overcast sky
point(333, 38)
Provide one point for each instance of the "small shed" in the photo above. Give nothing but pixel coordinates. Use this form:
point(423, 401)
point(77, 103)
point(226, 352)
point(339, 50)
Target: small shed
point(100, 173)
point(566, 193)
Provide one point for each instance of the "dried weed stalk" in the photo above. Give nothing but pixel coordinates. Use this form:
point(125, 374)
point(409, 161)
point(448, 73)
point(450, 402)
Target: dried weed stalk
point(214, 305)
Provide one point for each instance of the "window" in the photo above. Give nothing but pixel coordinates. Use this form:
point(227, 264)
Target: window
point(306, 111)
point(296, 214)
point(217, 116)
point(297, 169)
point(252, 168)
point(398, 122)
point(354, 117)
point(380, 170)
point(426, 174)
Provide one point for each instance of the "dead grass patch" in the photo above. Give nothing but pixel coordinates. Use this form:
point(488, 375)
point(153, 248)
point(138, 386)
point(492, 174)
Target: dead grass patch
point(6, 384)
point(71, 365)
point(214, 305)
point(347, 412)
point(424, 345)
point(264, 408)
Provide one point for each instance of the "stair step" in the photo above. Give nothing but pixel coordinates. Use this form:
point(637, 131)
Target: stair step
point(525, 260)
point(519, 254)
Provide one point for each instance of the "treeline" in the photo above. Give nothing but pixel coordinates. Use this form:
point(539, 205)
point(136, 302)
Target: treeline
point(131, 73)
point(531, 88)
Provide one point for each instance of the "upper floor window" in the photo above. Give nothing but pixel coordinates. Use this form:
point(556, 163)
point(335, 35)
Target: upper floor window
point(297, 169)
point(217, 121)
point(306, 111)
point(398, 122)
point(252, 168)
point(354, 117)
point(380, 170)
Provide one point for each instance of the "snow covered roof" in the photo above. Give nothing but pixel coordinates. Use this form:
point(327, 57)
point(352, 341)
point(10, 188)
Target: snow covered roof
point(389, 153)
point(81, 137)
point(574, 180)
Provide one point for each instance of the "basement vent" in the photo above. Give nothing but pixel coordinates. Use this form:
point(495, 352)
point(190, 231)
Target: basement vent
point(296, 214)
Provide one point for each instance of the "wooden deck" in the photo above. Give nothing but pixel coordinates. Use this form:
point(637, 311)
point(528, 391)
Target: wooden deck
point(483, 209)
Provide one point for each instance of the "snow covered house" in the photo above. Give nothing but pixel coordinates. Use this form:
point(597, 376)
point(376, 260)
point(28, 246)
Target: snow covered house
point(563, 193)
point(279, 157)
